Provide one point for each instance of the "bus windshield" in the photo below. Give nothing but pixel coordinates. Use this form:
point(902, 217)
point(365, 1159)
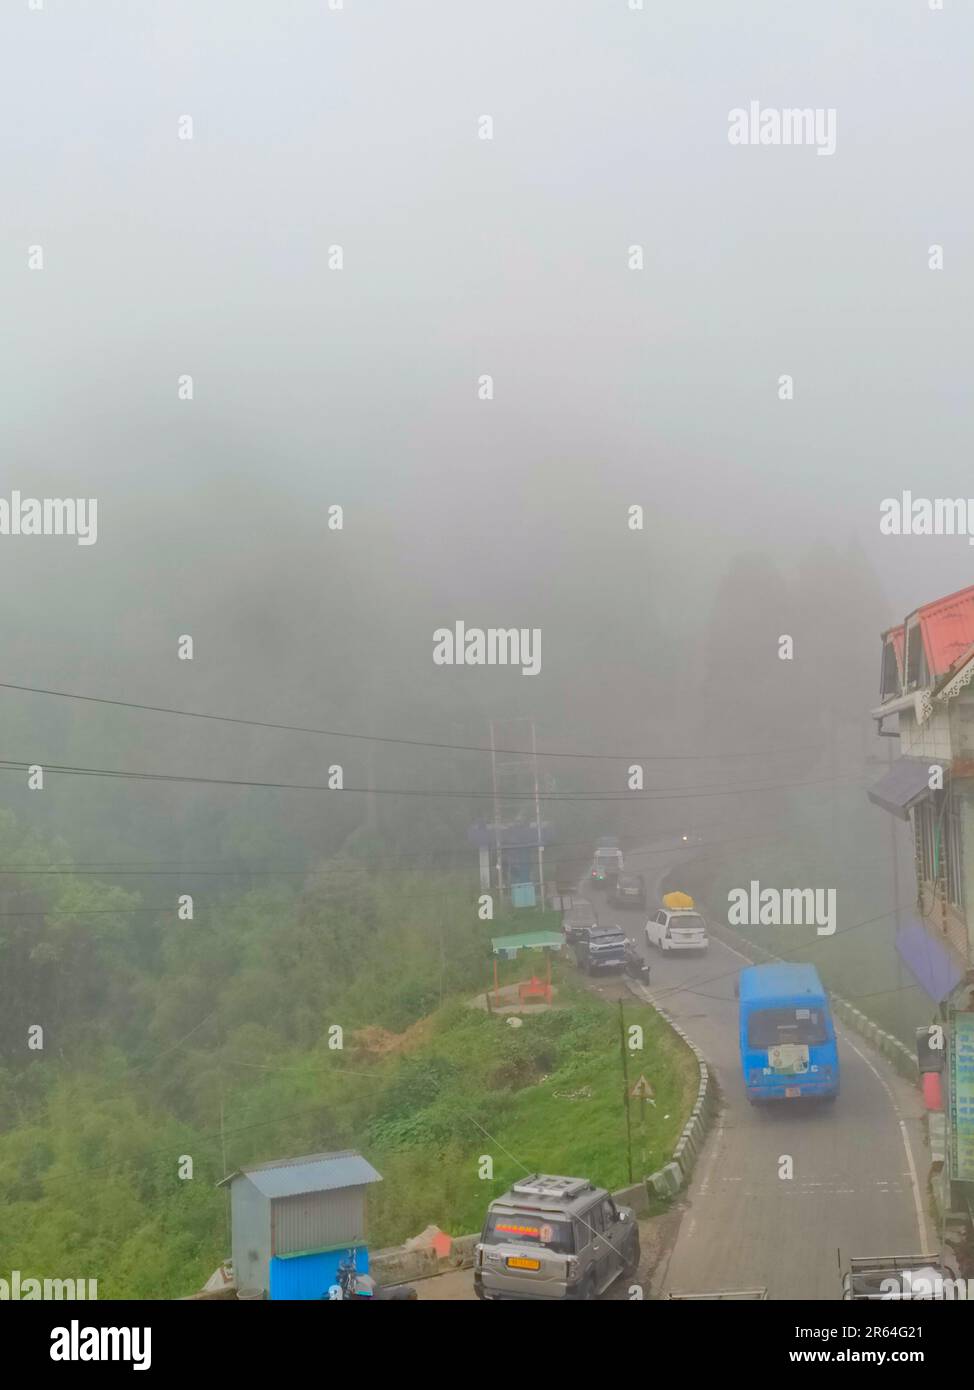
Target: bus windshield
point(770, 1027)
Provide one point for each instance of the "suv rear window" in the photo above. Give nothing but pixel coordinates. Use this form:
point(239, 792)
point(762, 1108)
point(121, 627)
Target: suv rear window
point(529, 1228)
point(686, 919)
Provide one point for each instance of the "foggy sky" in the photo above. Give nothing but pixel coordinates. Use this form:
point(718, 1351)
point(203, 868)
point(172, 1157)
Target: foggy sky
point(464, 257)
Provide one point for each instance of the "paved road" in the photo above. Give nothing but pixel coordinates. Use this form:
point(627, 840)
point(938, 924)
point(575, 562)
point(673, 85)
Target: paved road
point(856, 1163)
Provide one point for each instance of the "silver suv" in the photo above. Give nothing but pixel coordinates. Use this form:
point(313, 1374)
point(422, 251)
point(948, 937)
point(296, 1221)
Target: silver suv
point(551, 1237)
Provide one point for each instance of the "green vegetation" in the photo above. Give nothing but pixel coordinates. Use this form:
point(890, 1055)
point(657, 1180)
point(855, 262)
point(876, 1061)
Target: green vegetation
point(211, 1039)
point(545, 1096)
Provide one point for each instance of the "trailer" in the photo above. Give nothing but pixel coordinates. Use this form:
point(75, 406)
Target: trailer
point(882, 1277)
point(728, 1294)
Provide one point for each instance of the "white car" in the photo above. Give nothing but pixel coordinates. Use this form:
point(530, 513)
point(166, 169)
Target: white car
point(677, 931)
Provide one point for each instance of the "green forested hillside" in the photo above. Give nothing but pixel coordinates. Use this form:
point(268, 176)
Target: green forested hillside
point(210, 1039)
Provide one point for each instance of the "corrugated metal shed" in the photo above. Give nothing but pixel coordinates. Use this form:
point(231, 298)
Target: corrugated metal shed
point(293, 1177)
point(297, 1208)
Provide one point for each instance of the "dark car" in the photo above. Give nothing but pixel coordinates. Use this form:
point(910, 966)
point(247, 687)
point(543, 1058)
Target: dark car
point(600, 949)
point(576, 918)
point(629, 891)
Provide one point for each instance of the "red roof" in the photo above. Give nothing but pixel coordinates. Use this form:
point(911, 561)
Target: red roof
point(947, 626)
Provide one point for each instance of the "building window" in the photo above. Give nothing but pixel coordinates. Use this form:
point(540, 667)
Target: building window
point(924, 824)
point(916, 661)
point(939, 853)
point(889, 681)
point(953, 843)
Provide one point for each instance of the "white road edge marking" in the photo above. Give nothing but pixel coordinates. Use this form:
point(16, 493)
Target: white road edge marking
point(917, 1200)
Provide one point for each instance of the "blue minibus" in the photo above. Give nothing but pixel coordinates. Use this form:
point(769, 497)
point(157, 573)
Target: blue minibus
point(787, 1036)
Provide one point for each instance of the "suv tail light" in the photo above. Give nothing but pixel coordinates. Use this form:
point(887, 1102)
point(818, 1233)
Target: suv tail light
point(571, 1268)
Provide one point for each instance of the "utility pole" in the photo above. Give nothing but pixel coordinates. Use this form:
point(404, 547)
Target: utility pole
point(537, 818)
point(223, 1148)
point(625, 1085)
point(515, 781)
point(896, 881)
point(497, 817)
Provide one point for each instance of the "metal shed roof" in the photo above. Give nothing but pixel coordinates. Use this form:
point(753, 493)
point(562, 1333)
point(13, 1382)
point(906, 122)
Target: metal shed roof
point(904, 785)
point(292, 1177)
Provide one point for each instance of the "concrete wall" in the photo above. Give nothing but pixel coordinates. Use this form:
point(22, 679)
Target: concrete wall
point(929, 740)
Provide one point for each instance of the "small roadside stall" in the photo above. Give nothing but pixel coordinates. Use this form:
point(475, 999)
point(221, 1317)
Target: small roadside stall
point(509, 947)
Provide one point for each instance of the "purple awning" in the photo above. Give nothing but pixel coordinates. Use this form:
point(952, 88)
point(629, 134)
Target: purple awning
point(930, 963)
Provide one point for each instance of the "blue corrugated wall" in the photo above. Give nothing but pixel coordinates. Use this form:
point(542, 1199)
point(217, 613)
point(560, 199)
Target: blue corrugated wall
point(311, 1276)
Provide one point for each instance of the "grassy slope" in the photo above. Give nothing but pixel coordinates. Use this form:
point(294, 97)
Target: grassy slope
point(501, 1100)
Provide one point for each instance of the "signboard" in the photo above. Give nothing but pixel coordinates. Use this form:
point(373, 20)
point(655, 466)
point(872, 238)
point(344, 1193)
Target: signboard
point(642, 1090)
point(962, 1098)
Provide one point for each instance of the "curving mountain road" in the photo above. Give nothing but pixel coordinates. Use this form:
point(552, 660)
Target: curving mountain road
point(856, 1163)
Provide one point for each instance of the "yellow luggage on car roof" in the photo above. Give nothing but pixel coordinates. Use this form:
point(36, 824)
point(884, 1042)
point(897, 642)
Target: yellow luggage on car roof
point(678, 902)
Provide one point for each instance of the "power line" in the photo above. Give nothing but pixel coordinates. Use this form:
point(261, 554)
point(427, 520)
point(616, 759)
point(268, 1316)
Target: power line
point(407, 742)
point(96, 867)
point(13, 765)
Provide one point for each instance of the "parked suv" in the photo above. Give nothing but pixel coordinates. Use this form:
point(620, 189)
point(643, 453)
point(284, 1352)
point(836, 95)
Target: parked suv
point(600, 948)
point(576, 918)
point(551, 1237)
point(629, 891)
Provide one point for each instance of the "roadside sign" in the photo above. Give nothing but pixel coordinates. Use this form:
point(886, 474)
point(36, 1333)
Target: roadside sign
point(642, 1090)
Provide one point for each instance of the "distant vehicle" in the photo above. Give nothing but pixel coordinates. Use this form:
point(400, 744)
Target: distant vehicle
point(606, 867)
point(722, 1294)
point(629, 891)
point(575, 918)
point(601, 949)
point(554, 1238)
point(787, 1038)
point(677, 926)
point(884, 1277)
